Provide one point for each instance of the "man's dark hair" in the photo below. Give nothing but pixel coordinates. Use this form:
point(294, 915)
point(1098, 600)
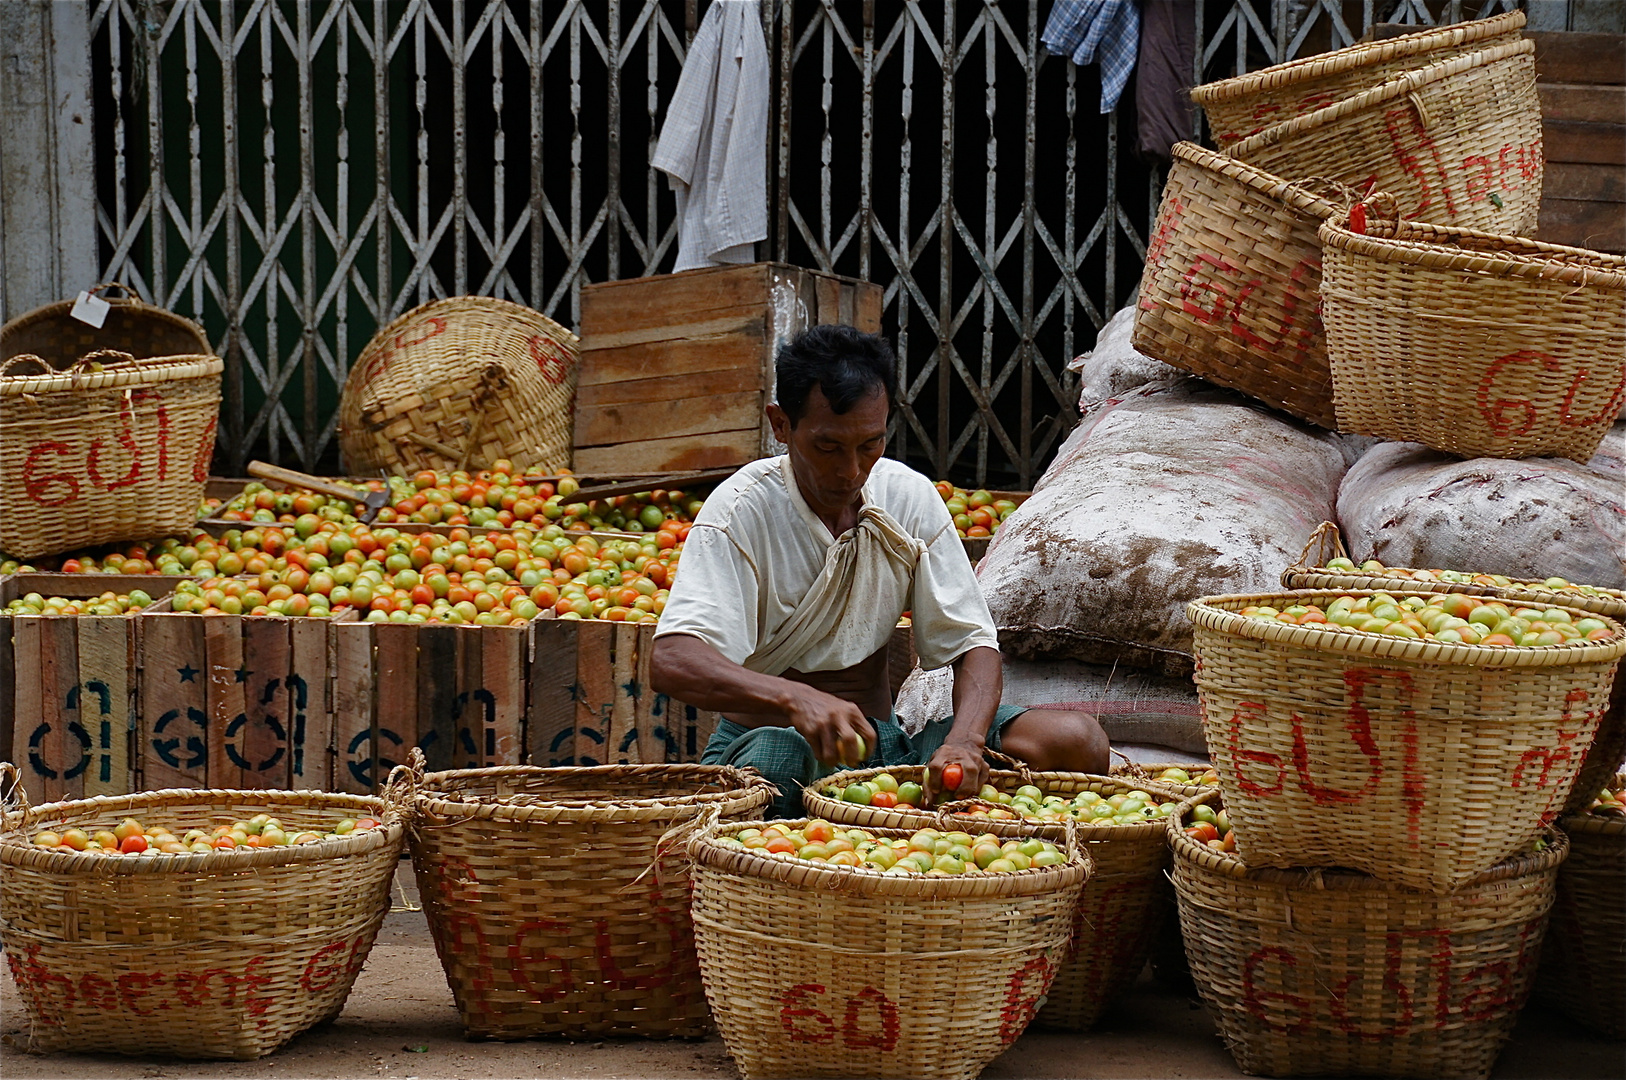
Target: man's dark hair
point(845, 363)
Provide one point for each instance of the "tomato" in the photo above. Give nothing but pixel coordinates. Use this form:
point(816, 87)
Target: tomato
point(818, 832)
point(953, 776)
point(884, 800)
point(1203, 832)
point(135, 843)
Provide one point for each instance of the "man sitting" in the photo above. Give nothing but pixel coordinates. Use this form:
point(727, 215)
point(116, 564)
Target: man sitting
point(794, 576)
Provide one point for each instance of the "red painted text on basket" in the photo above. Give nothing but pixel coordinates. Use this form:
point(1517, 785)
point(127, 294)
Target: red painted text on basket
point(551, 360)
point(1024, 994)
point(1168, 220)
point(1411, 145)
point(802, 1022)
point(1416, 995)
point(381, 360)
point(1212, 290)
point(1538, 764)
point(1487, 176)
point(1517, 416)
point(1270, 113)
point(62, 488)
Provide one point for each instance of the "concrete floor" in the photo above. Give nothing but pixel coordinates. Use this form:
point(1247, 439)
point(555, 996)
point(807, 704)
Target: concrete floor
point(400, 1023)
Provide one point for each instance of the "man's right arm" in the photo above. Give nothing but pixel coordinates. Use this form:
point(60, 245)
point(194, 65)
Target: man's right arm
point(688, 669)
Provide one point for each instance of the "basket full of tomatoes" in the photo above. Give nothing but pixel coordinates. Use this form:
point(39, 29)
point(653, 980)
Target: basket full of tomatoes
point(1420, 737)
point(246, 915)
point(870, 952)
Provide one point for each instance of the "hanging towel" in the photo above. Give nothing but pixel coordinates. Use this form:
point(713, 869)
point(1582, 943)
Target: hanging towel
point(1091, 30)
point(1168, 47)
point(714, 143)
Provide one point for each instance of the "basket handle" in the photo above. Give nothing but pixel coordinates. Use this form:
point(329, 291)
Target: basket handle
point(129, 296)
point(1132, 768)
point(403, 784)
point(1323, 539)
point(26, 358)
point(492, 379)
point(1020, 766)
point(115, 358)
point(14, 804)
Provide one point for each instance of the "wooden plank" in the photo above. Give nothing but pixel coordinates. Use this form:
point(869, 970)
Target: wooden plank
point(173, 722)
point(472, 701)
point(501, 742)
point(604, 425)
point(1572, 140)
point(623, 727)
point(1581, 101)
point(28, 707)
point(353, 736)
point(738, 379)
point(669, 299)
point(1564, 57)
point(869, 300)
point(310, 733)
point(106, 661)
point(550, 716)
point(827, 291)
point(1583, 182)
point(714, 450)
point(225, 694)
point(395, 731)
point(594, 691)
point(440, 680)
point(8, 690)
point(1600, 226)
point(261, 746)
point(718, 345)
point(53, 746)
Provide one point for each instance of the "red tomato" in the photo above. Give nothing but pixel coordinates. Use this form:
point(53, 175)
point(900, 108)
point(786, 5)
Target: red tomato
point(886, 800)
point(1203, 832)
point(135, 842)
point(819, 832)
point(953, 776)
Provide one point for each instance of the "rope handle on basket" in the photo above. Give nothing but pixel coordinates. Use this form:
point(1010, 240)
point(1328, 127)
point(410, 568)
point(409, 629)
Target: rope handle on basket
point(1020, 766)
point(15, 805)
point(1131, 767)
point(690, 832)
point(26, 358)
point(83, 365)
point(405, 781)
point(1325, 537)
point(129, 296)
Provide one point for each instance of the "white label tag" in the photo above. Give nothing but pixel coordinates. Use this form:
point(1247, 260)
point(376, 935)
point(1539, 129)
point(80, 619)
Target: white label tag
point(91, 309)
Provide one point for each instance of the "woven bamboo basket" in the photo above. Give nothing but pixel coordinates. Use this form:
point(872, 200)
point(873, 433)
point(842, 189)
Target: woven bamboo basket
point(1247, 104)
point(1608, 747)
point(1118, 911)
point(1457, 142)
point(1314, 972)
point(114, 448)
point(556, 905)
point(461, 383)
point(241, 950)
point(1421, 762)
point(1585, 951)
point(1147, 773)
point(1232, 283)
point(1473, 343)
point(131, 326)
point(827, 971)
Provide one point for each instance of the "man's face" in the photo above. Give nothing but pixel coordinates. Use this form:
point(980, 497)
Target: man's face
point(833, 453)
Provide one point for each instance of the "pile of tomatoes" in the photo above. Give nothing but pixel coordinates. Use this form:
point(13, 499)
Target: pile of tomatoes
point(975, 513)
point(1610, 803)
point(1029, 803)
point(928, 852)
point(1374, 568)
point(131, 837)
point(1211, 828)
point(108, 603)
point(1452, 618)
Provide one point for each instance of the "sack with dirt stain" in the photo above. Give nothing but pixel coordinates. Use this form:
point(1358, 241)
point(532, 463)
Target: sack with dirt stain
point(1114, 368)
point(1155, 500)
point(1406, 505)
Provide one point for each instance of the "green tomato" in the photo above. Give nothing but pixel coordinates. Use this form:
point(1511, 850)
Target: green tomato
point(858, 794)
point(910, 792)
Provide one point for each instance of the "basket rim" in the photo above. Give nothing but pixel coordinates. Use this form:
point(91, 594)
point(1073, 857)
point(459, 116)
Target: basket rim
point(1520, 257)
point(17, 851)
point(459, 304)
point(1210, 613)
point(1341, 879)
point(1587, 824)
point(748, 790)
point(142, 372)
point(130, 301)
point(1295, 196)
point(1399, 86)
point(815, 794)
point(705, 850)
point(1321, 579)
point(1353, 57)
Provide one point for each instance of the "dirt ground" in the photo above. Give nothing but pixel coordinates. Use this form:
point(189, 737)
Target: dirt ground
point(400, 1023)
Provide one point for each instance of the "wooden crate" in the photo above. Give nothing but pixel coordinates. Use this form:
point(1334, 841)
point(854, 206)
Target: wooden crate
point(457, 692)
point(676, 369)
point(235, 701)
point(1581, 78)
point(68, 712)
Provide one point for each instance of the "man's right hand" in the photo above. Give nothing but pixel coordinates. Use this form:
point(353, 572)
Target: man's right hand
point(837, 730)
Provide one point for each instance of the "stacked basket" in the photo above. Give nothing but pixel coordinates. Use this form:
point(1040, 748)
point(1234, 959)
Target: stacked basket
point(1418, 775)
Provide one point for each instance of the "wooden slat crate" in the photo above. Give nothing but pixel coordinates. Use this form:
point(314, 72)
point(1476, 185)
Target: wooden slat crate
point(676, 368)
point(67, 711)
point(235, 701)
point(457, 692)
point(1581, 78)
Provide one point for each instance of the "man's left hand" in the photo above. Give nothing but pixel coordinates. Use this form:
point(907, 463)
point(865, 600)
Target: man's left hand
point(973, 772)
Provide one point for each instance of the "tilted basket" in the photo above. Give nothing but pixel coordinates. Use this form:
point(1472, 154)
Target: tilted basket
point(1321, 972)
point(1421, 762)
point(830, 971)
point(1457, 142)
point(239, 951)
point(114, 448)
point(1472, 343)
point(1585, 951)
point(1247, 104)
point(558, 903)
point(1118, 911)
point(1231, 288)
point(461, 383)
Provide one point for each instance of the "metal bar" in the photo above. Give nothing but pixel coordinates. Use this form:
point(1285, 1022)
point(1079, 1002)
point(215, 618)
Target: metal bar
point(905, 170)
point(990, 238)
point(612, 194)
point(460, 156)
point(539, 233)
point(1030, 142)
point(421, 241)
point(576, 17)
point(270, 250)
point(341, 198)
point(383, 293)
point(155, 168)
point(945, 238)
point(499, 143)
point(822, 252)
point(307, 237)
point(231, 435)
point(866, 161)
point(787, 58)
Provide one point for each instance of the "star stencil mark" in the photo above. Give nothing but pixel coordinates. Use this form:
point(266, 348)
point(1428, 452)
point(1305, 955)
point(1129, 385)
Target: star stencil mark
point(242, 674)
point(188, 673)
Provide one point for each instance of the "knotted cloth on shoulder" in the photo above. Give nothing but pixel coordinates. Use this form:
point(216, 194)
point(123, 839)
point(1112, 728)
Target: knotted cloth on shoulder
point(869, 563)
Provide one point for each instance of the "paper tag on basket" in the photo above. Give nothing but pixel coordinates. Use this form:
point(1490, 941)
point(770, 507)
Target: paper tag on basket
point(91, 309)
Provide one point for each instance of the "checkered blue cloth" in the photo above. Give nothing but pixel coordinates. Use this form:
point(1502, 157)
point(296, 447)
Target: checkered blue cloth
point(1097, 30)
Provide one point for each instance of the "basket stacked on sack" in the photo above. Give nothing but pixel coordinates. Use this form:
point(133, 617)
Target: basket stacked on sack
point(558, 899)
point(1120, 908)
point(104, 434)
point(241, 949)
point(814, 968)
